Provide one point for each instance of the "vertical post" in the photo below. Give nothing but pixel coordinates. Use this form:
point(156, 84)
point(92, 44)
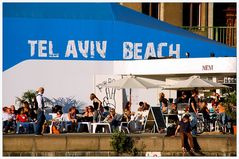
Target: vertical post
point(162, 11)
point(210, 20)
point(191, 15)
point(130, 95)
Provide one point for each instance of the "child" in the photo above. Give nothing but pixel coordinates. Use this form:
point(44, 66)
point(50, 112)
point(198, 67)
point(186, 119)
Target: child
point(185, 130)
point(21, 117)
point(22, 120)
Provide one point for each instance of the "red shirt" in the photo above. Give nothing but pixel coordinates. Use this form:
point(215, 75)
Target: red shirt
point(21, 118)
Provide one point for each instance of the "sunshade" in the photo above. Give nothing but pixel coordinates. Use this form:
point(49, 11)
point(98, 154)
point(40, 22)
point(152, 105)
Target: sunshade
point(132, 82)
point(195, 82)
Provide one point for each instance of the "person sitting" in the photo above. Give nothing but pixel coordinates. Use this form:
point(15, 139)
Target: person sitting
point(57, 123)
point(185, 131)
point(126, 116)
point(27, 110)
point(71, 119)
point(113, 119)
point(174, 110)
point(88, 114)
point(7, 119)
point(22, 119)
point(138, 120)
point(163, 103)
point(183, 98)
point(21, 116)
point(205, 111)
point(13, 111)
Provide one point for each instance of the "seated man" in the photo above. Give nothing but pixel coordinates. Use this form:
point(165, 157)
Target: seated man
point(8, 121)
point(113, 119)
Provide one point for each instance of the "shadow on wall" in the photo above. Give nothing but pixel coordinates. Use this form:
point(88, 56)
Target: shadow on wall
point(66, 103)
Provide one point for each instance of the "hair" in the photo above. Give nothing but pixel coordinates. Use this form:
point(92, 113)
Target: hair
point(92, 96)
point(91, 108)
point(194, 91)
point(26, 104)
point(40, 89)
point(161, 96)
point(4, 109)
point(141, 103)
point(146, 106)
point(20, 110)
point(127, 105)
point(186, 117)
point(60, 112)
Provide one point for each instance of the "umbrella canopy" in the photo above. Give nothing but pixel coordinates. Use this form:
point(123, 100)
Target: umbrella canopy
point(195, 82)
point(132, 82)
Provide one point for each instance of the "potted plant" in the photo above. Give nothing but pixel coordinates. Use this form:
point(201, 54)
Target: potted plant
point(122, 143)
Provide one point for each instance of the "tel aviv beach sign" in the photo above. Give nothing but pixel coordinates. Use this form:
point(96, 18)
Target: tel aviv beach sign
point(94, 31)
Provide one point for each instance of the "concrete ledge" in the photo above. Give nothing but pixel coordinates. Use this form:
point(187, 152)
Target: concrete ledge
point(99, 145)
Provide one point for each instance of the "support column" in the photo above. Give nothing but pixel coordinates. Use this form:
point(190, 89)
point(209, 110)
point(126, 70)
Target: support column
point(210, 20)
point(162, 11)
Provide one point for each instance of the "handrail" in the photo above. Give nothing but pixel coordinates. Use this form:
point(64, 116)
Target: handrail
point(222, 34)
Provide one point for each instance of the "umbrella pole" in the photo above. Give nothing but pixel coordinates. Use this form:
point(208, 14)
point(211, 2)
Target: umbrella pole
point(130, 97)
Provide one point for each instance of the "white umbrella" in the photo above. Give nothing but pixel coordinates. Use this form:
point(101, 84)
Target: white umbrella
point(195, 82)
point(134, 82)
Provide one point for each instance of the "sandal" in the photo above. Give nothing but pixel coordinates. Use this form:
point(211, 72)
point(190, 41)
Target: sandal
point(184, 150)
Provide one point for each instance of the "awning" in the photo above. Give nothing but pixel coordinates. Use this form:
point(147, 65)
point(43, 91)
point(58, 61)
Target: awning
point(94, 31)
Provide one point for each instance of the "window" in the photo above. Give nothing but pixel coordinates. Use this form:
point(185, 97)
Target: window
point(151, 9)
point(146, 8)
point(192, 14)
point(154, 10)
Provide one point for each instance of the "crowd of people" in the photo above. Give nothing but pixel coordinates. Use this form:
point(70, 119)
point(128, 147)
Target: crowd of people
point(14, 120)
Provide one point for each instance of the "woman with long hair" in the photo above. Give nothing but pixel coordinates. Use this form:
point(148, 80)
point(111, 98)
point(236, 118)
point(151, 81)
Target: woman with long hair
point(98, 109)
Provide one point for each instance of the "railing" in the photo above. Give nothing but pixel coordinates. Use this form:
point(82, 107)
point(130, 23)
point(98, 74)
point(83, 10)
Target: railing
point(222, 34)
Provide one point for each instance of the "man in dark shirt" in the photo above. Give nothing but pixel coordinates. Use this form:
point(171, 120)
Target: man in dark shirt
point(185, 131)
point(193, 112)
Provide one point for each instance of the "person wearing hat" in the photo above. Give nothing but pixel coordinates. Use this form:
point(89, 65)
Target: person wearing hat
point(40, 111)
point(184, 128)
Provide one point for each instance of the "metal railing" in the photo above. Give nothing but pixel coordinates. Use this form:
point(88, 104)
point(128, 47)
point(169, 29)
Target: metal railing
point(222, 34)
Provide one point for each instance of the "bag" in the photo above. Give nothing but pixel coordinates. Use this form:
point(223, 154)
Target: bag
point(55, 130)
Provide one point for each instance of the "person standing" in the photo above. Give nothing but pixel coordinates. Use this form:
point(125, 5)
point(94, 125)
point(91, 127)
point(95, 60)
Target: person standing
point(193, 112)
point(40, 111)
point(97, 107)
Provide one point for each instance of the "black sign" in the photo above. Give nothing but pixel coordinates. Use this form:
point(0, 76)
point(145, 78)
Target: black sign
point(155, 119)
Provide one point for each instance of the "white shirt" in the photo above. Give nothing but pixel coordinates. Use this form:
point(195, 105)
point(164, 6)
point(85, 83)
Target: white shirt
point(6, 116)
point(39, 100)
